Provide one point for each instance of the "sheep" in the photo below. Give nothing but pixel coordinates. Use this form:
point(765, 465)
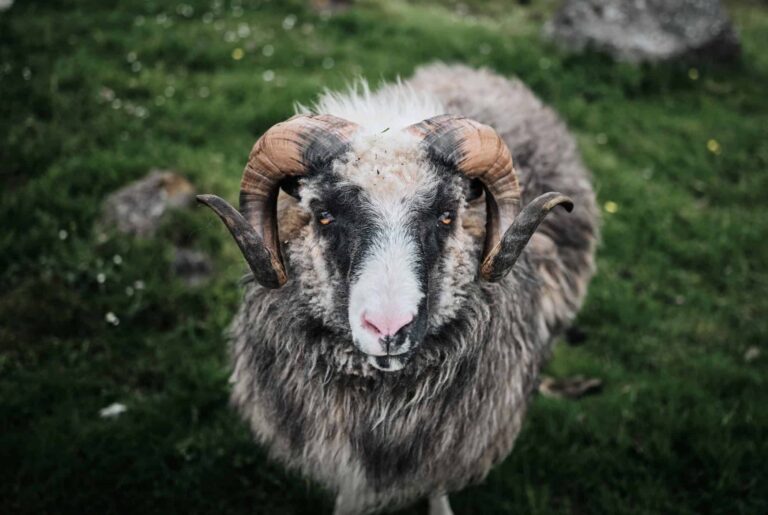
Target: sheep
point(386, 347)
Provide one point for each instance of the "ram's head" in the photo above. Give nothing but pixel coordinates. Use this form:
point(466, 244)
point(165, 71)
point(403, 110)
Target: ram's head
point(384, 232)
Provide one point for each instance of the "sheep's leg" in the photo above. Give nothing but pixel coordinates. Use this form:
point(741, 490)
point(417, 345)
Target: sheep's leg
point(439, 505)
point(347, 503)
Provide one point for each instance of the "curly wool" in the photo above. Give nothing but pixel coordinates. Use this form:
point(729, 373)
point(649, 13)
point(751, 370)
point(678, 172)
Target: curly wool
point(381, 440)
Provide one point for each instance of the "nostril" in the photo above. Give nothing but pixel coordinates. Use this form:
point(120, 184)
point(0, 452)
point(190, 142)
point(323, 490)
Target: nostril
point(370, 326)
point(399, 324)
point(383, 325)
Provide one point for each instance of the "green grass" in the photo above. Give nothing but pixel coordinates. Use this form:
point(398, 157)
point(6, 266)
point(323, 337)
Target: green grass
point(681, 425)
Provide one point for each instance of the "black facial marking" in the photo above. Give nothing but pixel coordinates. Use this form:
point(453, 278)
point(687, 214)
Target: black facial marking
point(352, 232)
point(320, 149)
point(355, 229)
point(442, 144)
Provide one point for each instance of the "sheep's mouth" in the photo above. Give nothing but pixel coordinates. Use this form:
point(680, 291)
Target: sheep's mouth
point(387, 363)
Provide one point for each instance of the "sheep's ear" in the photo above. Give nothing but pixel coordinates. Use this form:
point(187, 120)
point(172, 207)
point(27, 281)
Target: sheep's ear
point(266, 268)
point(502, 258)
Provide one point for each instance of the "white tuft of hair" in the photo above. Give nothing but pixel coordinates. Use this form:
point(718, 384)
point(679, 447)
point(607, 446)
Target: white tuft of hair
point(393, 106)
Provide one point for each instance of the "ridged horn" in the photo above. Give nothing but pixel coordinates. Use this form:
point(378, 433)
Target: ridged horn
point(302, 145)
point(477, 151)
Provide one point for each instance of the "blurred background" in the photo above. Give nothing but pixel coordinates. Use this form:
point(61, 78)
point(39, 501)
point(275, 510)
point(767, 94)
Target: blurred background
point(115, 291)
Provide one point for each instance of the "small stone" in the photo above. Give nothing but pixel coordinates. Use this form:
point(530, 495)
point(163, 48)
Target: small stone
point(192, 266)
point(752, 354)
point(328, 6)
point(647, 30)
point(113, 410)
point(138, 208)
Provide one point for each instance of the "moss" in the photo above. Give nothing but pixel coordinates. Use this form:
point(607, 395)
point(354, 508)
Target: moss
point(94, 96)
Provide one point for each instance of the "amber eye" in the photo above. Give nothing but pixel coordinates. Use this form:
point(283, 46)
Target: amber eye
point(446, 218)
point(325, 218)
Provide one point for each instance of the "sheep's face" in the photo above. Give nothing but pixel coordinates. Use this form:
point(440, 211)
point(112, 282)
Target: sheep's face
point(385, 257)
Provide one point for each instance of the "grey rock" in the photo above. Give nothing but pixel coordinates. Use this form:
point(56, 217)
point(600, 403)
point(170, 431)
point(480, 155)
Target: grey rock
point(327, 6)
point(192, 266)
point(138, 208)
point(647, 30)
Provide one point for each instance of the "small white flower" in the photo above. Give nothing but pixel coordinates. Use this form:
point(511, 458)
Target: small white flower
point(289, 22)
point(268, 50)
point(139, 285)
point(112, 319)
point(117, 259)
point(268, 76)
point(63, 234)
point(113, 410)
point(752, 354)
point(100, 278)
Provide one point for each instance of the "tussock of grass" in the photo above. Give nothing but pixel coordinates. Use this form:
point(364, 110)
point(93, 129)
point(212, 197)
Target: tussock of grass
point(680, 165)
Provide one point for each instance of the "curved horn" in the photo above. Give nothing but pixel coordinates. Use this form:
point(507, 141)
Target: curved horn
point(299, 146)
point(477, 151)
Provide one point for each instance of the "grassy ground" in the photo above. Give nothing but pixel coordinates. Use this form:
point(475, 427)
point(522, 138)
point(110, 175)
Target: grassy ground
point(92, 96)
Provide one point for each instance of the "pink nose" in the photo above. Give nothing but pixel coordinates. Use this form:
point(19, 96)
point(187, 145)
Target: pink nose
point(385, 324)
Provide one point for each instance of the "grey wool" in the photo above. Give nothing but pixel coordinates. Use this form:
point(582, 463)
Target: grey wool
point(381, 440)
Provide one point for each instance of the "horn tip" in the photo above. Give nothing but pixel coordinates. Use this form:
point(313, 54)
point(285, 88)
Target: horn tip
point(205, 198)
point(558, 199)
